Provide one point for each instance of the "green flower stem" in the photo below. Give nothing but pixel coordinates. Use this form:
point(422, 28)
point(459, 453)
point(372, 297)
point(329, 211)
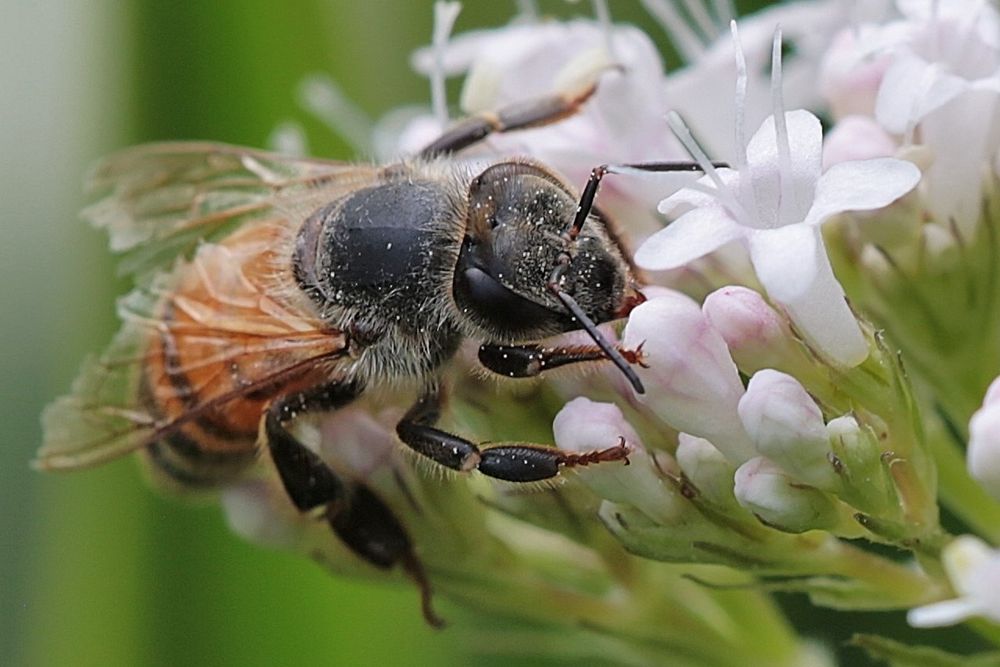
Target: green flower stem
point(903, 586)
point(647, 616)
point(959, 492)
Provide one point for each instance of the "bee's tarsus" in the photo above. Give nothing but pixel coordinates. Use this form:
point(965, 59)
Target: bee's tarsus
point(515, 462)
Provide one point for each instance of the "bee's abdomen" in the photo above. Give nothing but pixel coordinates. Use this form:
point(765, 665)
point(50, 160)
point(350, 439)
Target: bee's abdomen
point(208, 444)
point(224, 347)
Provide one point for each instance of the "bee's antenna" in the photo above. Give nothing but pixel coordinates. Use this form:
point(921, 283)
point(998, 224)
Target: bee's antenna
point(590, 190)
point(588, 325)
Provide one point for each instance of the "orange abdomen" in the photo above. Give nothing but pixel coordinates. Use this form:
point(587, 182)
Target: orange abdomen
point(232, 336)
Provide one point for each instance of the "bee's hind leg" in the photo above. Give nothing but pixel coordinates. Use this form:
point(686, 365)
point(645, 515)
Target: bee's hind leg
point(358, 517)
point(512, 462)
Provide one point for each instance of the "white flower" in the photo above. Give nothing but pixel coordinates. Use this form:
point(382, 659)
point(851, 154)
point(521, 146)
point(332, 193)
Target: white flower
point(938, 71)
point(701, 91)
point(774, 201)
point(974, 571)
point(984, 442)
point(621, 123)
point(691, 381)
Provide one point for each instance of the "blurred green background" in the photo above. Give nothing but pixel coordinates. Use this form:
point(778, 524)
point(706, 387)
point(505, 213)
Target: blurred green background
point(95, 569)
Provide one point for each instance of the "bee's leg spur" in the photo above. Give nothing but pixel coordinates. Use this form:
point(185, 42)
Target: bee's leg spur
point(522, 361)
point(533, 112)
point(357, 516)
point(516, 462)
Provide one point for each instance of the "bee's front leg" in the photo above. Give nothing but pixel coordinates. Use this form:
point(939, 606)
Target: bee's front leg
point(521, 361)
point(358, 517)
point(512, 462)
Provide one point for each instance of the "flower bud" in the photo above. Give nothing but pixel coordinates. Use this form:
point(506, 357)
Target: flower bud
point(984, 442)
point(583, 425)
point(848, 80)
point(261, 513)
point(939, 242)
point(787, 427)
point(876, 265)
point(856, 138)
point(767, 491)
point(865, 480)
point(706, 467)
point(356, 441)
point(757, 335)
point(691, 381)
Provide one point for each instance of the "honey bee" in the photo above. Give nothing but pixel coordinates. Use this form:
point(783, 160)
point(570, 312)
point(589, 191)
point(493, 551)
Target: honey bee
point(269, 287)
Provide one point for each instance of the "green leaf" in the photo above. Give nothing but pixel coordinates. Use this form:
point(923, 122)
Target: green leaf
point(898, 654)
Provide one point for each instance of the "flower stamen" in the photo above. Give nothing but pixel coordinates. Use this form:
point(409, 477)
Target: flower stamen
point(781, 135)
point(722, 191)
point(741, 97)
point(445, 14)
point(682, 36)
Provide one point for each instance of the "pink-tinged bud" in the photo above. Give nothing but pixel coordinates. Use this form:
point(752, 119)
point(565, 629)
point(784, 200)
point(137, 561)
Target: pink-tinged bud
point(765, 489)
point(691, 381)
point(856, 138)
point(757, 335)
point(849, 78)
point(706, 468)
point(261, 513)
point(357, 441)
point(583, 425)
point(984, 442)
point(787, 427)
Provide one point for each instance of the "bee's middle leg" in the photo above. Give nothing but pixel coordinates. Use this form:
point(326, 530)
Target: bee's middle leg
point(512, 462)
point(522, 361)
point(357, 516)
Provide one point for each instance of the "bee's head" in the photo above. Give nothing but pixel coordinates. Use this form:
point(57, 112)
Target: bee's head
point(517, 256)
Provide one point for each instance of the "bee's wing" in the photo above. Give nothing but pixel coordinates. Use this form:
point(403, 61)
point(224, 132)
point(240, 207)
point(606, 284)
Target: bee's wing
point(158, 201)
point(208, 337)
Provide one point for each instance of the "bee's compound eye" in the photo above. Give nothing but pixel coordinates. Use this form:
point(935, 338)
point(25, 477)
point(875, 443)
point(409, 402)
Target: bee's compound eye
point(494, 306)
point(503, 306)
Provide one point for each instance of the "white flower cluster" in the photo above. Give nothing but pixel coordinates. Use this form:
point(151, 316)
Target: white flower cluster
point(913, 92)
point(773, 405)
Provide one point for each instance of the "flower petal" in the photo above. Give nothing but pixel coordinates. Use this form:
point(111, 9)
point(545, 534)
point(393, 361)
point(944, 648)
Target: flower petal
point(805, 141)
point(786, 259)
point(861, 186)
point(694, 234)
point(695, 197)
point(962, 135)
point(792, 265)
point(912, 88)
point(939, 614)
